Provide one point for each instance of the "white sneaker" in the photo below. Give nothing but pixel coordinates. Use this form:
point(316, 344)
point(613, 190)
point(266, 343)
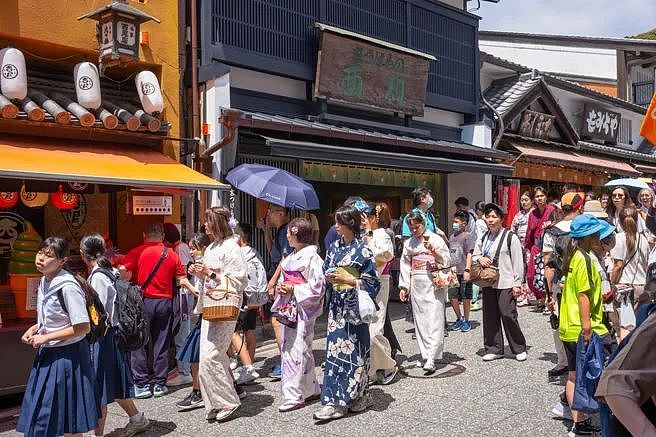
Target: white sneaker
point(429, 366)
point(233, 363)
point(521, 356)
point(247, 376)
point(179, 379)
point(562, 410)
point(477, 306)
point(133, 427)
point(492, 357)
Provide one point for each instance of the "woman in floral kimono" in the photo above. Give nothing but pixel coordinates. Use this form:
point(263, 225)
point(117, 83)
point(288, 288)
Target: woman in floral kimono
point(349, 266)
point(421, 251)
point(302, 286)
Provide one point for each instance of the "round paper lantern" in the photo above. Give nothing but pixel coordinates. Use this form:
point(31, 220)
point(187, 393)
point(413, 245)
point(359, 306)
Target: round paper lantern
point(64, 201)
point(149, 91)
point(32, 198)
point(8, 199)
point(13, 74)
point(87, 85)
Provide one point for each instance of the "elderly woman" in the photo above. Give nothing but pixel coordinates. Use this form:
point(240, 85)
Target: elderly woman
point(501, 247)
point(222, 265)
point(302, 283)
point(349, 267)
point(422, 251)
point(646, 199)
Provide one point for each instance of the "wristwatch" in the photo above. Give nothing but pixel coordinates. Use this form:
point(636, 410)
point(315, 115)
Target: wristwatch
point(213, 276)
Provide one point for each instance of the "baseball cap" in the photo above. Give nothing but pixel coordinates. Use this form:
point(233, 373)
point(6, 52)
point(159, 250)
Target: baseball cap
point(574, 200)
point(585, 225)
point(593, 207)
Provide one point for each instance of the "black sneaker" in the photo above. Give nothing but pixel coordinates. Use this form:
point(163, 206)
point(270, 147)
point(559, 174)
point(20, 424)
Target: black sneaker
point(585, 428)
point(191, 402)
point(240, 391)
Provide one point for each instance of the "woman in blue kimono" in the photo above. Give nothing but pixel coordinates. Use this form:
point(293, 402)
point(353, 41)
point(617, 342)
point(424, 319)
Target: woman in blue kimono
point(349, 266)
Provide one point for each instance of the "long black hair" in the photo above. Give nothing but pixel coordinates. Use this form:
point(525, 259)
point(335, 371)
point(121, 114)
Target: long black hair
point(350, 217)
point(93, 248)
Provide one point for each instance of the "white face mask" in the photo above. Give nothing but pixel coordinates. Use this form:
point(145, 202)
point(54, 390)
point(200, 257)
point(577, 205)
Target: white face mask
point(429, 201)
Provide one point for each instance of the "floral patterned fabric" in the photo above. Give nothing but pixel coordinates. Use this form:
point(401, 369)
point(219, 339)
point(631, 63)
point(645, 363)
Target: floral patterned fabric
point(347, 347)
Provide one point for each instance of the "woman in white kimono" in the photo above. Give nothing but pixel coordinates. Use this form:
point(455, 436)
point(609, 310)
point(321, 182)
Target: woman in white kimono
point(383, 367)
point(222, 262)
point(302, 286)
point(422, 250)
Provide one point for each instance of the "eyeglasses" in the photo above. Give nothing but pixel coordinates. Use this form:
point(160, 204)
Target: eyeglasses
point(618, 196)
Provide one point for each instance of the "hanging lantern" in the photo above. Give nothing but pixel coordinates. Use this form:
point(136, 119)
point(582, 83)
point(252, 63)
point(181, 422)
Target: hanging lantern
point(149, 92)
point(32, 198)
point(8, 199)
point(87, 85)
point(64, 201)
point(13, 74)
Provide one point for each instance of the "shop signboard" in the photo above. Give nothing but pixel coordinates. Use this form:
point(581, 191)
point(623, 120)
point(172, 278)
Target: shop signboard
point(600, 124)
point(362, 73)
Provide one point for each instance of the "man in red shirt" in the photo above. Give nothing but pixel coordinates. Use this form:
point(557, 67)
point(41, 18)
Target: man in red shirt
point(158, 302)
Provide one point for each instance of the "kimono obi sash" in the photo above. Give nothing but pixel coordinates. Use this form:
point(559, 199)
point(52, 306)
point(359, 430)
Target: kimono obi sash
point(351, 271)
point(423, 262)
point(293, 277)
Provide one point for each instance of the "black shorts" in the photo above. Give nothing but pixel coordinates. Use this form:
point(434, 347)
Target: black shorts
point(570, 350)
point(247, 320)
point(465, 290)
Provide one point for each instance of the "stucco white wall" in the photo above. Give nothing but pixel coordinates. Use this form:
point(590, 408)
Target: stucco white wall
point(267, 83)
point(577, 61)
point(438, 116)
point(470, 185)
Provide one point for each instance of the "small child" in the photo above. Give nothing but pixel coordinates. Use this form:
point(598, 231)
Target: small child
point(461, 244)
point(247, 321)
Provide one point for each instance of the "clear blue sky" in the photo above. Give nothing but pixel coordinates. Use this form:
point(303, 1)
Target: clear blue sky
point(612, 18)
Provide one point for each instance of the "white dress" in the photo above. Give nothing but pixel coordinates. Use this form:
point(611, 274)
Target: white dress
point(427, 300)
point(215, 377)
point(299, 380)
point(381, 351)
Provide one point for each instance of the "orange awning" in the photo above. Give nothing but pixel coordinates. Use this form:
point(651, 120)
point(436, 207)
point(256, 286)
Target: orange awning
point(49, 159)
point(549, 155)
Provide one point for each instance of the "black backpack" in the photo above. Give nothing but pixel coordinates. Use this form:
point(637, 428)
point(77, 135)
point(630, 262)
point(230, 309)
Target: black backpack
point(98, 318)
point(397, 238)
point(132, 328)
point(561, 240)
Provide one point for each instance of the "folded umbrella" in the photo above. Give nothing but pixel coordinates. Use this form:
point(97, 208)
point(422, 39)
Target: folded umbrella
point(274, 185)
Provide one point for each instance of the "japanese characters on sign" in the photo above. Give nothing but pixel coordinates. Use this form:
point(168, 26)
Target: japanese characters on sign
point(362, 73)
point(600, 124)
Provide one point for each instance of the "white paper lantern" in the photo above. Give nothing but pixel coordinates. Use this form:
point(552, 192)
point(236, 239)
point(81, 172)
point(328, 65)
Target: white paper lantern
point(149, 91)
point(13, 74)
point(87, 85)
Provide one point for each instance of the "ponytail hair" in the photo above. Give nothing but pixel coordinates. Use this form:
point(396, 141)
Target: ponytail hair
point(629, 221)
point(93, 248)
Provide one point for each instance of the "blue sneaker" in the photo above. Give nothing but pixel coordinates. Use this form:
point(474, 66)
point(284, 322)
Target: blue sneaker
point(160, 390)
point(456, 326)
point(142, 392)
point(276, 373)
point(465, 326)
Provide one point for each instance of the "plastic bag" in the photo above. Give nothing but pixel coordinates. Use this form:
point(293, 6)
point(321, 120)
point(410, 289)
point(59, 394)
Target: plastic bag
point(367, 307)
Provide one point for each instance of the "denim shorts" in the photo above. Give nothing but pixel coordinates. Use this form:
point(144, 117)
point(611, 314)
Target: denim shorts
point(463, 292)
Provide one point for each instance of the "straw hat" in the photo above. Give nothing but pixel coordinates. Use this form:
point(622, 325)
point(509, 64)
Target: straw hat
point(593, 207)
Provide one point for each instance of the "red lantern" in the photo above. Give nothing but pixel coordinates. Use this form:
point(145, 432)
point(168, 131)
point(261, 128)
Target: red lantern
point(8, 199)
point(64, 201)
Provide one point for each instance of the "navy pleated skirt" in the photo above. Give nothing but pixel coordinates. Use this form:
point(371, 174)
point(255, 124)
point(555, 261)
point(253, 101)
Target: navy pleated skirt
point(60, 396)
point(190, 350)
point(113, 377)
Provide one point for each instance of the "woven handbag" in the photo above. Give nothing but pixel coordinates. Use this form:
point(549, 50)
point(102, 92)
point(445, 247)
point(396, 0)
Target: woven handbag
point(221, 304)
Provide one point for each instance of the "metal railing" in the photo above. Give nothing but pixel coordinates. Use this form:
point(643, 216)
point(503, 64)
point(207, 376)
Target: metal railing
point(642, 92)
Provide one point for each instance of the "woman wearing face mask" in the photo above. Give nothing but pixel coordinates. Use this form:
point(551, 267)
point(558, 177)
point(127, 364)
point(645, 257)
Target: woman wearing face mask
point(60, 397)
point(540, 218)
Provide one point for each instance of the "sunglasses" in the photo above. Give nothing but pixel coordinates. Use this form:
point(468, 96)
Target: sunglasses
point(618, 196)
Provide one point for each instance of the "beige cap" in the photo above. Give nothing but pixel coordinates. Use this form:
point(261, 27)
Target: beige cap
point(593, 207)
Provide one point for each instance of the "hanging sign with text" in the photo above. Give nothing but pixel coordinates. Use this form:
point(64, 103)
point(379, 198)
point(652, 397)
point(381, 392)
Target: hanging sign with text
point(600, 124)
point(362, 73)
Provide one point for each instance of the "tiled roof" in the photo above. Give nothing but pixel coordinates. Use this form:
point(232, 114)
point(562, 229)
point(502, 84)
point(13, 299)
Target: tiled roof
point(505, 93)
point(609, 42)
point(615, 151)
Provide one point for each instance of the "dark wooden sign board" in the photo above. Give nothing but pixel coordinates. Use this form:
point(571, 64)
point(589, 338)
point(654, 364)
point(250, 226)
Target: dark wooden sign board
point(357, 72)
point(600, 124)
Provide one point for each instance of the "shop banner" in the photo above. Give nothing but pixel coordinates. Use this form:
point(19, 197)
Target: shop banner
point(508, 198)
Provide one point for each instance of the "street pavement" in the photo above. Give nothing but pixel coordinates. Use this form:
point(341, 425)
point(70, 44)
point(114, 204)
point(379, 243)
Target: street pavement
point(466, 397)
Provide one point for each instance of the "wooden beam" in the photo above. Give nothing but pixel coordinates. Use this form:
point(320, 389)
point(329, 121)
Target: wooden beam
point(60, 114)
point(622, 75)
point(7, 109)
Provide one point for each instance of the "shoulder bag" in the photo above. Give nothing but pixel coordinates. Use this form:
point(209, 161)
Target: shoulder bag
point(487, 276)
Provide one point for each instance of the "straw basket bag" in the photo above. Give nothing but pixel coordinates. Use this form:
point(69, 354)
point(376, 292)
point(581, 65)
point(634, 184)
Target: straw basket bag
point(221, 304)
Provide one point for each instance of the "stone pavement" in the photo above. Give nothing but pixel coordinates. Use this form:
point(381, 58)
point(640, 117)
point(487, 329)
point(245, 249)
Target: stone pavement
point(466, 397)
